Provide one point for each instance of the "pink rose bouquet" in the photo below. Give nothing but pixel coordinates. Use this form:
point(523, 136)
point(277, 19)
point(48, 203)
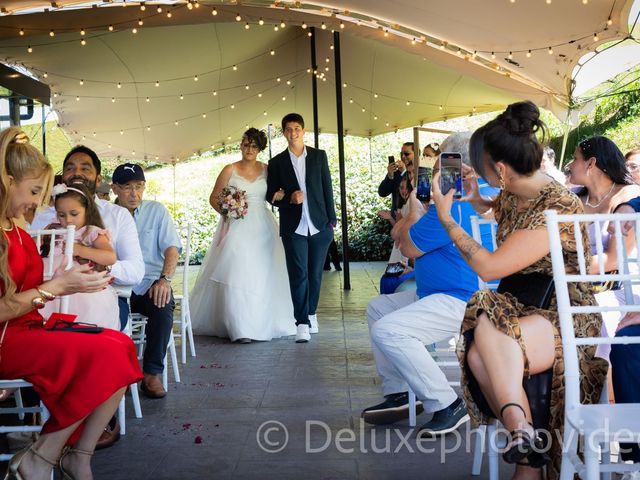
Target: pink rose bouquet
point(233, 202)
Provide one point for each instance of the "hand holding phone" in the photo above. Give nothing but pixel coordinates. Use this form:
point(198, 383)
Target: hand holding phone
point(451, 174)
point(423, 186)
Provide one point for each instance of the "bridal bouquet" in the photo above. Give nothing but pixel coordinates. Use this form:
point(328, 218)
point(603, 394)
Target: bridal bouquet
point(233, 202)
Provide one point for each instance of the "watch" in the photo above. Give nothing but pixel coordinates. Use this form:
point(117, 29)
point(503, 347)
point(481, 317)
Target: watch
point(166, 277)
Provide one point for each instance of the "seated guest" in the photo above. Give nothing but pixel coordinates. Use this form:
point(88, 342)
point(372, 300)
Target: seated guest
point(103, 191)
point(599, 166)
point(632, 161)
point(80, 378)
point(548, 166)
point(503, 340)
point(153, 297)
point(402, 324)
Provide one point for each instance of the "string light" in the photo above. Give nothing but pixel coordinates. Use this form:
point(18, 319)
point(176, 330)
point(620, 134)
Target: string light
point(595, 37)
point(176, 123)
point(282, 24)
point(148, 128)
point(119, 85)
point(284, 98)
point(52, 33)
point(261, 22)
point(215, 93)
point(111, 28)
point(238, 17)
point(140, 22)
point(29, 49)
point(235, 68)
point(246, 26)
point(609, 21)
point(246, 87)
point(275, 28)
point(323, 26)
point(232, 106)
point(121, 132)
point(493, 55)
point(77, 99)
point(195, 78)
point(82, 32)
point(134, 31)
point(21, 32)
point(159, 9)
point(550, 51)
point(413, 41)
point(113, 99)
point(81, 82)
point(440, 107)
point(45, 75)
point(181, 97)
point(189, 5)
point(529, 54)
point(148, 99)
point(272, 52)
point(169, 14)
point(214, 12)
point(407, 103)
point(83, 42)
point(309, 34)
point(157, 83)
point(204, 115)
point(510, 55)
point(386, 33)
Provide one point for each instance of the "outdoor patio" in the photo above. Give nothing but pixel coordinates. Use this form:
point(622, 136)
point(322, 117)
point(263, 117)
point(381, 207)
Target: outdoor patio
point(209, 425)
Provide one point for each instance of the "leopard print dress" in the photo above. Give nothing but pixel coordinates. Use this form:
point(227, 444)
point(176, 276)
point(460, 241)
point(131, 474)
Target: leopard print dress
point(504, 311)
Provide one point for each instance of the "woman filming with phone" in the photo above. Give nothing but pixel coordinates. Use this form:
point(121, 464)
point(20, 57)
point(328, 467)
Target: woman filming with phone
point(505, 337)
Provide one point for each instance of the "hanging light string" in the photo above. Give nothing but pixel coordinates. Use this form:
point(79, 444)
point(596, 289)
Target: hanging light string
point(208, 112)
point(243, 86)
point(233, 67)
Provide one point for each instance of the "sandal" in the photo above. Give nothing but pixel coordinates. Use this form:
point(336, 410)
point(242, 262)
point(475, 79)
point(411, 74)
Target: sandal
point(531, 448)
point(13, 469)
point(68, 451)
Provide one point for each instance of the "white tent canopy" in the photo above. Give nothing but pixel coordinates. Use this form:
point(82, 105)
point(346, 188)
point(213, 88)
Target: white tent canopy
point(404, 62)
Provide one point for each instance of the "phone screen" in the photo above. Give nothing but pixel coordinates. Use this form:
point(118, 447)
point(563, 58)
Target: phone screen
point(423, 186)
point(451, 173)
point(391, 159)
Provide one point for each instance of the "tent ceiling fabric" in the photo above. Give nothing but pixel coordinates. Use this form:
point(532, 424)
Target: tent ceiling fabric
point(391, 83)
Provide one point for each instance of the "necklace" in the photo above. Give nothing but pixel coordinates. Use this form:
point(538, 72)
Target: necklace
point(601, 200)
point(13, 225)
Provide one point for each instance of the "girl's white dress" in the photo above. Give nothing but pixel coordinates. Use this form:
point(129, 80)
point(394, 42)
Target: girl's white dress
point(242, 289)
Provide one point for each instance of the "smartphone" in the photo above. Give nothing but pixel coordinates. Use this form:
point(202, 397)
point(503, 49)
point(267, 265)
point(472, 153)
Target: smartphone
point(451, 173)
point(391, 159)
point(423, 186)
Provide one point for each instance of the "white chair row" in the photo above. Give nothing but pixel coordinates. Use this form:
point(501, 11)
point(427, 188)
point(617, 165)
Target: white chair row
point(603, 423)
point(182, 300)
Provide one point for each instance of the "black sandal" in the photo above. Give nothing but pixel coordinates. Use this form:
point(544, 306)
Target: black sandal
point(530, 449)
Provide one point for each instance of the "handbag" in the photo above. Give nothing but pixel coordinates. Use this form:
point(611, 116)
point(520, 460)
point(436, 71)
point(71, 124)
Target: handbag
point(63, 322)
point(531, 289)
point(394, 269)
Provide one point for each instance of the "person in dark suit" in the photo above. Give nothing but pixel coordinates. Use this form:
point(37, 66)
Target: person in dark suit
point(300, 178)
point(395, 172)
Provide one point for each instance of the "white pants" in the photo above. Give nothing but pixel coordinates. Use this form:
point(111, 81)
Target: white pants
point(400, 325)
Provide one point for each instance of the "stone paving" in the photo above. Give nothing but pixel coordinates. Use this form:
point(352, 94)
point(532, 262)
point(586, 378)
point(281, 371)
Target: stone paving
point(212, 424)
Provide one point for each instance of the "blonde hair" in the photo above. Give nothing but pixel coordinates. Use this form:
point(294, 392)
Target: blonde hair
point(19, 160)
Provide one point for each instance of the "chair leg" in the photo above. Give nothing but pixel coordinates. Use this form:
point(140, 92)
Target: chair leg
point(478, 450)
point(183, 333)
point(174, 359)
point(18, 397)
point(569, 451)
point(122, 417)
point(165, 382)
point(494, 460)
point(412, 408)
point(592, 471)
point(192, 344)
point(135, 398)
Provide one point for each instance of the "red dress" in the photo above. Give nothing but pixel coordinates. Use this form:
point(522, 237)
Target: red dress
point(73, 373)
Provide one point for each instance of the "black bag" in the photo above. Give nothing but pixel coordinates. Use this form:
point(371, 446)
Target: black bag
point(531, 289)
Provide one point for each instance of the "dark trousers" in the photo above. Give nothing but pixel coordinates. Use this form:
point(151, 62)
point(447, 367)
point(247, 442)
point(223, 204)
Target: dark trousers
point(123, 305)
point(158, 330)
point(305, 259)
point(332, 256)
point(625, 369)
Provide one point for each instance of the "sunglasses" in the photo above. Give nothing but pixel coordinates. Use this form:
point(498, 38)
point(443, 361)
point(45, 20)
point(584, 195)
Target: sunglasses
point(406, 154)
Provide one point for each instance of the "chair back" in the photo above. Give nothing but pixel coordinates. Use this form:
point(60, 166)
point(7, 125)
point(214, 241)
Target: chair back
point(627, 274)
point(66, 235)
point(186, 232)
point(477, 224)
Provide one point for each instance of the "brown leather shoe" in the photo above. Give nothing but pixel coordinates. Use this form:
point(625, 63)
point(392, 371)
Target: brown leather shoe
point(152, 387)
point(110, 435)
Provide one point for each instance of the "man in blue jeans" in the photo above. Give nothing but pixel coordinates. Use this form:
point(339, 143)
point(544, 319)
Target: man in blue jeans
point(153, 297)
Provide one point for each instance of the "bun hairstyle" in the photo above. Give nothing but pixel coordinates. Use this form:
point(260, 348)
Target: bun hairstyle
point(256, 136)
point(18, 160)
point(81, 193)
point(510, 138)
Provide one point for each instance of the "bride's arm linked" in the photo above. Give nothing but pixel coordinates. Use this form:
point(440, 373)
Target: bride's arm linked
point(221, 182)
point(276, 195)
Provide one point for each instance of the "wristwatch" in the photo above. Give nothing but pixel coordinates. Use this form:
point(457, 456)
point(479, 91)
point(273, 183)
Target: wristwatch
point(166, 277)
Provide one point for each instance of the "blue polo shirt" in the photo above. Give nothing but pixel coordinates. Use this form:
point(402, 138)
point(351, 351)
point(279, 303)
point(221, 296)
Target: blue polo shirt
point(156, 232)
point(441, 268)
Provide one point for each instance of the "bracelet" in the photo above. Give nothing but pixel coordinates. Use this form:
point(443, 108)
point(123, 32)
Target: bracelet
point(38, 303)
point(47, 296)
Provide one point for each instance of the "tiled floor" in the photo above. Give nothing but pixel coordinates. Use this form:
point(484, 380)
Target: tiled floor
point(235, 400)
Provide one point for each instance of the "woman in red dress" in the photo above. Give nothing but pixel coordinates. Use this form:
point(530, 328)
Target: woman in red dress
point(79, 377)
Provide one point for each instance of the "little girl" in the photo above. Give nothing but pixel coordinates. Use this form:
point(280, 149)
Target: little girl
point(75, 206)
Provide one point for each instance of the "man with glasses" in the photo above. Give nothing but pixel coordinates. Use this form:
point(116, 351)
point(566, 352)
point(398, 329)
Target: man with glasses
point(153, 296)
point(632, 161)
point(395, 172)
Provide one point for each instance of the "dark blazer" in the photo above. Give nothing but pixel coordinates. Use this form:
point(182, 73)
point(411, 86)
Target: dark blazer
point(319, 191)
point(389, 186)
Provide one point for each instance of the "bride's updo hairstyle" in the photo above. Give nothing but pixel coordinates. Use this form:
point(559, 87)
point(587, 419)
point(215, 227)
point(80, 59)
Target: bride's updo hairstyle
point(256, 136)
point(510, 138)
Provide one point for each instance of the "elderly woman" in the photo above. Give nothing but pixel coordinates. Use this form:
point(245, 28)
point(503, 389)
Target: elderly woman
point(80, 378)
point(505, 338)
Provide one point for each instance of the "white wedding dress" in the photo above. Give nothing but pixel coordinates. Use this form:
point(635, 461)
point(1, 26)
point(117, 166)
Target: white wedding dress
point(242, 289)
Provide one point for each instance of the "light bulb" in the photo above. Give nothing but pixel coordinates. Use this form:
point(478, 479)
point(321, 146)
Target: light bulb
point(181, 97)
point(83, 42)
point(214, 12)
point(323, 26)
point(148, 99)
point(550, 51)
point(29, 49)
point(52, 33)
point(235, 68)
point(82, 32)
point(233, 106)
point(529, 54)
point(238, 17)
point(595, 37)
point(81, 82)
point(135, 30)
point(111, 28)
point(272, 52)
point(157, 83)
point(195, 78)
point(169, 14)
point(246, 26)
point(282, 24)
point(261, 21)
point(21, 32)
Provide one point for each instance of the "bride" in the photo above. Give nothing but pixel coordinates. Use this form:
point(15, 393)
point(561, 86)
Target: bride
point(242, 290)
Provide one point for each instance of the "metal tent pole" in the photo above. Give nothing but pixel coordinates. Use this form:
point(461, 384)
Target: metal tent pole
point(314, 86)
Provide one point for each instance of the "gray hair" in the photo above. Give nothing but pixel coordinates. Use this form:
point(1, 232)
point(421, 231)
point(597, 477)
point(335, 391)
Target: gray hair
point(458, 142)
point(550, 154)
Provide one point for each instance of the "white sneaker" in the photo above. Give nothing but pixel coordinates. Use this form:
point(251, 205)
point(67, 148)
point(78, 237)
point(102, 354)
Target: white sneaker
point(302, 334)
point(314, 323)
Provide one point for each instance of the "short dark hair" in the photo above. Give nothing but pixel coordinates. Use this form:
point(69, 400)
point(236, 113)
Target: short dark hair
point(292, 117)
point(87, 151)
point(256, 136)
point(510, 138)
point(408, 144)
point(608, 157)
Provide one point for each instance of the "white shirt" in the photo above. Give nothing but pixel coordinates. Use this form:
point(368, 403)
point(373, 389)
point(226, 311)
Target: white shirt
point(306, 226)
point(129, 269)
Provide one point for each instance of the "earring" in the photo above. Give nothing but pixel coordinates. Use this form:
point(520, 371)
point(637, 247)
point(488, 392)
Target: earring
point(501, 180)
